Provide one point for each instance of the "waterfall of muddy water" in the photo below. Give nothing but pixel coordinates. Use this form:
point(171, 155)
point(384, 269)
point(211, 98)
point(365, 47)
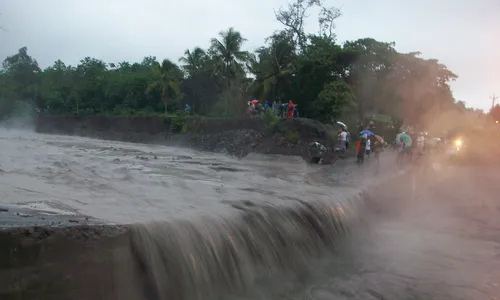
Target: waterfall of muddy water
point(206, 226)
point(230, 253)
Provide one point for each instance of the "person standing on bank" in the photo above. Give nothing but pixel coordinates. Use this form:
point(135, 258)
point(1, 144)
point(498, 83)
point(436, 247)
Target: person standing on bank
point(343, 139)
point(362, 149)
point(368, 147)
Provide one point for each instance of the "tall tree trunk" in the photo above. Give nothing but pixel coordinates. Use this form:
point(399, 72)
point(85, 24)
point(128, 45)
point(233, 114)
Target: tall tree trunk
point(227, 95)
point(164, 99)
point(226, 104)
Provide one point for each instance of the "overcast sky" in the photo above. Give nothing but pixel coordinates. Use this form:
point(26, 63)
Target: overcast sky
point(463, 34)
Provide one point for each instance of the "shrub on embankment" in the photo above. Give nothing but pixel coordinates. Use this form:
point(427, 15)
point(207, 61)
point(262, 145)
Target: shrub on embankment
point(236, 135)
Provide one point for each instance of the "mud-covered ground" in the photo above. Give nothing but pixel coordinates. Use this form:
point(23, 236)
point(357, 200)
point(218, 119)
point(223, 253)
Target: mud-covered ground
point(429, 232)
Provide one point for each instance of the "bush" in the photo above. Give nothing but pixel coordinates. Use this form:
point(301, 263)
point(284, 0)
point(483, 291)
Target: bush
point(177, 122)
point(270, 119)
point(292, 136)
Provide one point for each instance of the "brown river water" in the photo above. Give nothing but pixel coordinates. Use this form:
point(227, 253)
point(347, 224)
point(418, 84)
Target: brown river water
point(307, 232)
point(129, 183)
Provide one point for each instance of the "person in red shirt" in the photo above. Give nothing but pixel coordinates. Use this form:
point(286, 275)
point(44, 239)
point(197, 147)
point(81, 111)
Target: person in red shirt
point(290, 109)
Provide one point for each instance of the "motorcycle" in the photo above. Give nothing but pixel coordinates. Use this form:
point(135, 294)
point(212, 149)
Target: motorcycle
point(454, 149)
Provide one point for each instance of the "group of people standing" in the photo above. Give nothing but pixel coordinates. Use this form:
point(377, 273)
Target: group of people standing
point(256, 108)
point(284, 110)
point(367, 144)
point(370, 143)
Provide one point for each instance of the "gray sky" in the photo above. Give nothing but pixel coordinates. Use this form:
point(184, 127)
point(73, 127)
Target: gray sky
point(460, 33)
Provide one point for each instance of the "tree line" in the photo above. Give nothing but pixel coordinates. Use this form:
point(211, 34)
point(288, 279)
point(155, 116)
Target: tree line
point(327, 80)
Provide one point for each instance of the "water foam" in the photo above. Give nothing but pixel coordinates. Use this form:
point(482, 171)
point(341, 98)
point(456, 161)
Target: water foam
point(198, 260)
point(210, 257)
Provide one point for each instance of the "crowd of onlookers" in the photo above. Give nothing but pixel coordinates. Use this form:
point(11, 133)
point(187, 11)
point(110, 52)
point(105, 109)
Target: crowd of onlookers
point(257, 108)
point(367, 144)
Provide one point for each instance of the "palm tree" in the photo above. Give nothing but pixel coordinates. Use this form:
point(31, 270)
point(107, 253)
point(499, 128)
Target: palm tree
point(274, 63)
point(167, 76)
point(193, 61)
point(229, 56)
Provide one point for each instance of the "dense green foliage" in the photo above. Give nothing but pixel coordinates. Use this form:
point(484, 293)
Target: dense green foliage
point(327, 80)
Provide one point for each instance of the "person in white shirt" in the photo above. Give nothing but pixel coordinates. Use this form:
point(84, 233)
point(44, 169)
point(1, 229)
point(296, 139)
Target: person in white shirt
point(343, 140)
point(368, 147)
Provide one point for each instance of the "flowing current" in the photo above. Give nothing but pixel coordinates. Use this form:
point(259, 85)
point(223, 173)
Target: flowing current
point(207, 226)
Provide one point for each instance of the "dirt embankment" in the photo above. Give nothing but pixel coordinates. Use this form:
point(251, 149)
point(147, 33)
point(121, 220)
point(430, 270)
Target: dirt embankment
point(234, 136)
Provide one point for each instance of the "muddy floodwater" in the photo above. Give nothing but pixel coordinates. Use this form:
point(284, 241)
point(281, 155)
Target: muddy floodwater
point(428, 232)
point(127, 183)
